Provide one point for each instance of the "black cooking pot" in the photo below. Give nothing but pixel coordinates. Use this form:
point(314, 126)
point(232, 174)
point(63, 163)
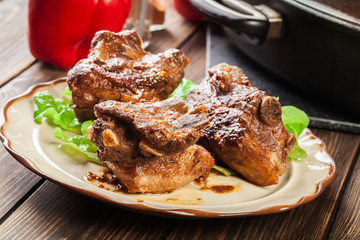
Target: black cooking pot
point(312, 45)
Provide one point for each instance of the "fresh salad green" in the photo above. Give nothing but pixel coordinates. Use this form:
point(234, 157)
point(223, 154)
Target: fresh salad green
point(183, 89)
point(295, 121)
point(78, 144)
point(224, 171)
point(60, 113)
point(57, 111)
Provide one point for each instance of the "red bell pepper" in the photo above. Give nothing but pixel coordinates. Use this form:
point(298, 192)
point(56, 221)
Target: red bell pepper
point(60, 31)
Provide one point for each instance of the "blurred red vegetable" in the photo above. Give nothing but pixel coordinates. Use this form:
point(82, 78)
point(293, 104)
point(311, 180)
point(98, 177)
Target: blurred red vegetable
point(184, 8)
point(60, 31)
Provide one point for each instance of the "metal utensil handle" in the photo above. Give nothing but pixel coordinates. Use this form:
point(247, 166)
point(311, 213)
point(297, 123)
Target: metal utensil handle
point(237, 15)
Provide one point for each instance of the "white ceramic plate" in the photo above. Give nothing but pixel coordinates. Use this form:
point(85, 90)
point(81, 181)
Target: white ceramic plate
point(35, 147)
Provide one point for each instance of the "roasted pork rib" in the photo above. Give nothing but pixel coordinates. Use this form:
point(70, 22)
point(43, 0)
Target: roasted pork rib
point(117, 68)
point(164, 174)
point(246, 129)
point(144, 142)
point(146, 129)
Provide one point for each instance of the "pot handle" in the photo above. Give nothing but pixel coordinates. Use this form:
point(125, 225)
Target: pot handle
point(239, 16)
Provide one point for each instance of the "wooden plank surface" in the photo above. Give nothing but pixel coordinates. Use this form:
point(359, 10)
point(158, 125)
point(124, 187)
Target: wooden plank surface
point(196, 52)
point(14, 52)
point(16, 180)
point(54, 212)
point(176, 32)
point(347, 216)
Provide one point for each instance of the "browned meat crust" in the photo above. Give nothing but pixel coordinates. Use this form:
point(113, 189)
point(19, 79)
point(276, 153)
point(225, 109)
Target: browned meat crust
point(117, 68)
point(246, 129)
point(164, 174)
point(150, 146)
point(126, 131)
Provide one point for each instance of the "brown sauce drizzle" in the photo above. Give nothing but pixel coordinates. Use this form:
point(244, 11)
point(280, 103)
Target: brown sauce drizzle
point(201, 181)
point(222, 188)
point(107, 177)
point(215, 188)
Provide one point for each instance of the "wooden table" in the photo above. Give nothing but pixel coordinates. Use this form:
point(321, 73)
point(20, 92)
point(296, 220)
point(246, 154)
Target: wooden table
point(34, 208)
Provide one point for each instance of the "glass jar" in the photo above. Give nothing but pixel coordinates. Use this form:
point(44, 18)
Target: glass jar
point(158, 16)
point(140, 19)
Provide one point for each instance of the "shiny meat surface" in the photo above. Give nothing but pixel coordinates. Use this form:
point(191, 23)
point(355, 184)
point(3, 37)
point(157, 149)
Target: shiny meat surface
point(117, 68)
point(246, 129)
point(150, 147)
point(164, 174)
point(126, 131)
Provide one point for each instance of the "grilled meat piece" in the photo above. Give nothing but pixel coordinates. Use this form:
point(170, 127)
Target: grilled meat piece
point(117, 68)
point(150, 146)
point(164, 174)
point(246, 130)
point(126, 131)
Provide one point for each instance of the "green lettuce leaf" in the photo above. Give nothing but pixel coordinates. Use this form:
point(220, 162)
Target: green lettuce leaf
point(78, 146)
point(60, 113)
point(183, 89)
point(224, 171)
point(67, 92)
point(295, 121)
point(57, 111)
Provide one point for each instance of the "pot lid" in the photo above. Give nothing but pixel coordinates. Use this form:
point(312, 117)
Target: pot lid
point(347, 11)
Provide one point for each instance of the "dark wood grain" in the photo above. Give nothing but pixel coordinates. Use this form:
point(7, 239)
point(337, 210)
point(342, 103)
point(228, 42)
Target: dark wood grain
point(54, 212)
point(196, 51)
point(37, 73)
point(176, 32)
point(347, 217)
point(16, 180)
point(14, 51)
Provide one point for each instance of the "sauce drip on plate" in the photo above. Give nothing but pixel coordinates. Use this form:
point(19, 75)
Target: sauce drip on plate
point(216, 188)
point(105, 177)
